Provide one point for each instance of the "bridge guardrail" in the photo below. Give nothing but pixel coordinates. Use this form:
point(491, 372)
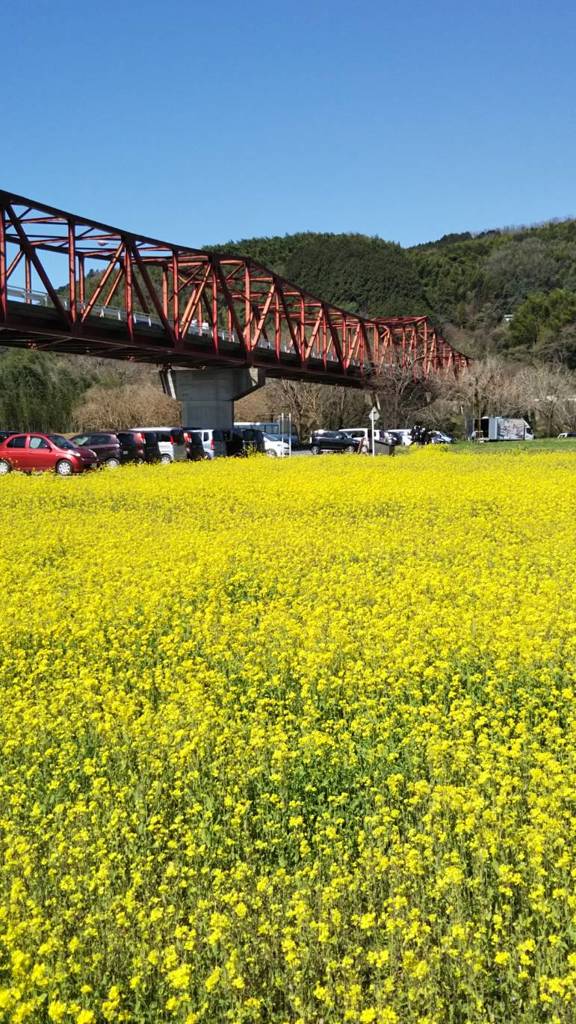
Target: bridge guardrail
point(34, 297)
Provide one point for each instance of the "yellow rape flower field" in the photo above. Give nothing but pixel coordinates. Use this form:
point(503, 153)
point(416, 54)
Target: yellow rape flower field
point(290, 742)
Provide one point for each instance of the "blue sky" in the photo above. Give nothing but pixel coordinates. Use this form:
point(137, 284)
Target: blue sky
point(199, 123)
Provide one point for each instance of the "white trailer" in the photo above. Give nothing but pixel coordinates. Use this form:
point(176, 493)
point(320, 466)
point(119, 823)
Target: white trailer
point(506, 428)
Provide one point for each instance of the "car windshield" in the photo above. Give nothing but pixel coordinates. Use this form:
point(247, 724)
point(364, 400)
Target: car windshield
point(61, 442)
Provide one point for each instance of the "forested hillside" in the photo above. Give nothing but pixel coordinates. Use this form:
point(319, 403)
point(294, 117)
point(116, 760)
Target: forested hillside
point(488, 275)
point(362, 274)
point(471, 285)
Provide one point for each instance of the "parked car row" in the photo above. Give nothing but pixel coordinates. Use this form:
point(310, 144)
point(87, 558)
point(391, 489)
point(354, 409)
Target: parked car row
point(359, 439)
point(142, 444)
point(350, 439)
point(32, 451)
point(241, 440)
point(35, 451)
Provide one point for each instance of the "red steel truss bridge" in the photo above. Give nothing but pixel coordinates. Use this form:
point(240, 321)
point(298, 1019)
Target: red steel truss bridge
point(69, 284)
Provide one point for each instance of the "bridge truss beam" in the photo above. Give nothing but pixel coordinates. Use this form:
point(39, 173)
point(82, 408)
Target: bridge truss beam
point(70, 284)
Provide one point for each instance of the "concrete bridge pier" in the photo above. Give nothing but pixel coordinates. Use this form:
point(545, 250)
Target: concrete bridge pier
point(208, 394)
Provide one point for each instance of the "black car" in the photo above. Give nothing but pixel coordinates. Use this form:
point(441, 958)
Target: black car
point(138, 446)
point(106, 447)
point(244, 441)
point(194, 447)
point(333, 441)
point(252, 440)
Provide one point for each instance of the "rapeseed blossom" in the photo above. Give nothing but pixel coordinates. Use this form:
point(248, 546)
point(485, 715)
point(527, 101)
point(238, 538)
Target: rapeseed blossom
point(290, 742)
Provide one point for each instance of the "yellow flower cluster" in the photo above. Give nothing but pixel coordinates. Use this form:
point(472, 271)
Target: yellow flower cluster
point(290, 742)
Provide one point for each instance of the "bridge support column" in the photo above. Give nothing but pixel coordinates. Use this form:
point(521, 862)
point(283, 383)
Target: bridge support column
point(208, 395)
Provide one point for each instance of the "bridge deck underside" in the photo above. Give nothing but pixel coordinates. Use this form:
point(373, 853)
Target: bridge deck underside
point(38, 330)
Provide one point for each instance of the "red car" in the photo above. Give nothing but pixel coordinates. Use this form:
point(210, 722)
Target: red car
point(28, 452)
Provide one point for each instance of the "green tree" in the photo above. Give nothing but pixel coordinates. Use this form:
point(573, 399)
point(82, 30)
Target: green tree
point(514, 270)
point(37, 392)
point(543, 325)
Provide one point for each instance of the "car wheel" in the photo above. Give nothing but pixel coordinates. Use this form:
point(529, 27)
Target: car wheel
point(63, 468)
point(315, 449)
point(271, 453)
point(112, 463)
point(165, 460)
point(350, 448)
point(5, 467)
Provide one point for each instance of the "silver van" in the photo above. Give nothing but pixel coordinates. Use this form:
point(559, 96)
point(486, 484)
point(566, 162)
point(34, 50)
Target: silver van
point(213, 441)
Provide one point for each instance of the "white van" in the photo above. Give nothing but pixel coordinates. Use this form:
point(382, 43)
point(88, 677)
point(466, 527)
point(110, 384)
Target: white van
point(361, 433)
point(171, 442)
